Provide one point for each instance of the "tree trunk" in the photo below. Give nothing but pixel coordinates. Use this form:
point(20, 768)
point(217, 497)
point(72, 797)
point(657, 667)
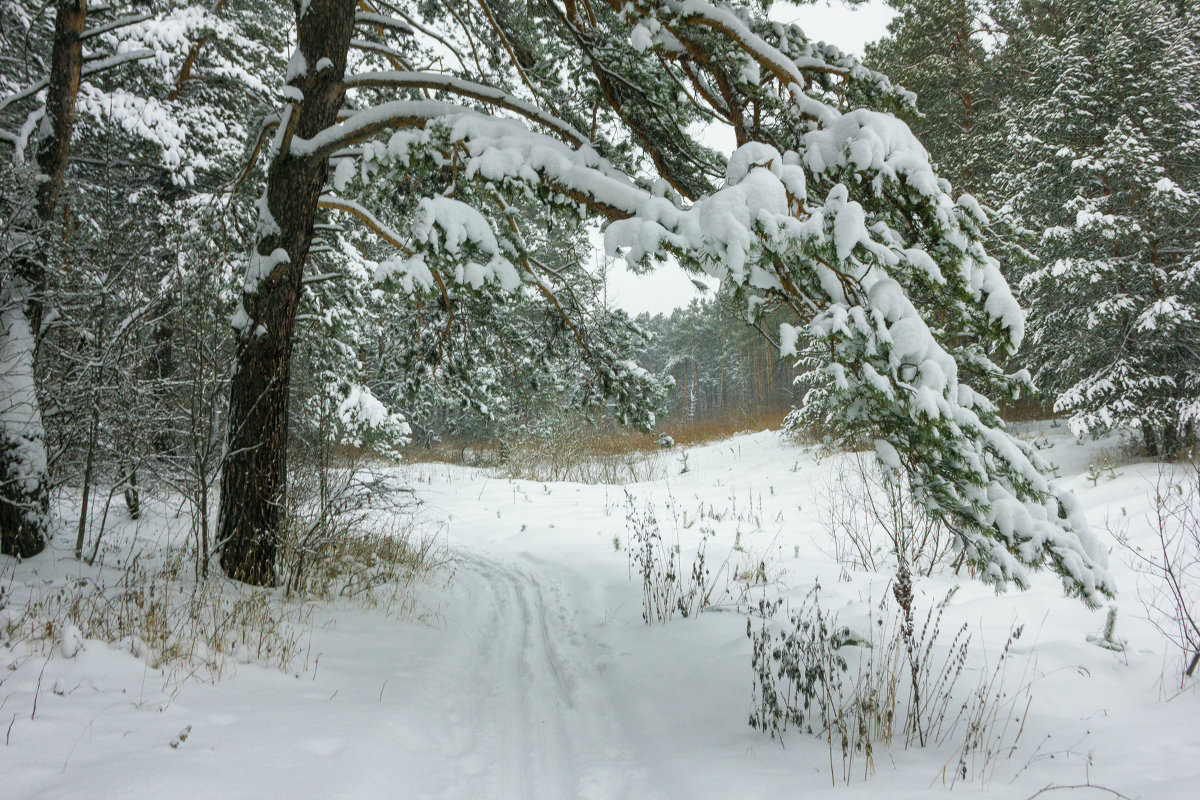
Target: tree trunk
point(66, 61)
point(24, 497)
point(254, 474)
point(163, 368)
point(133, 498)
point(89, 464)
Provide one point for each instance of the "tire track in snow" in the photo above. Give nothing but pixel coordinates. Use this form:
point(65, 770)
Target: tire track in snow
point(543, 731)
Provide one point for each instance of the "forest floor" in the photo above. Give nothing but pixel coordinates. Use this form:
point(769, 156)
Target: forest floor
point(526, 669)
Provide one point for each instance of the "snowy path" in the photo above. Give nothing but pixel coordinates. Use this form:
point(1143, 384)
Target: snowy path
point(533, 722)
point(497, 697)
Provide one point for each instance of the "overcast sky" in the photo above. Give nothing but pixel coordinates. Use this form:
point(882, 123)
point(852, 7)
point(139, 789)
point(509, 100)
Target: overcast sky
point(850, 29)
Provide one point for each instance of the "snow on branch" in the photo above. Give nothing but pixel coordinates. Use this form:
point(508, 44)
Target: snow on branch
point(116, 24)
point(93, 67)
point(380, 229)
point(113, 61)
point(500, 149)
point(465, 88)
point(392, 55)
point(382, 21)
point(361, 125)
point(727, 23)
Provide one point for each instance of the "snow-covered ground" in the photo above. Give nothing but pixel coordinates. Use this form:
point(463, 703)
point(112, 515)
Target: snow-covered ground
point(527, 670)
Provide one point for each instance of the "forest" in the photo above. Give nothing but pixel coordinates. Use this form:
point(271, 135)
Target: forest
point(319, 432)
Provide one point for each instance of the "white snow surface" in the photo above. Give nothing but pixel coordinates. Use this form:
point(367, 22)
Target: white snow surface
point(530, 674)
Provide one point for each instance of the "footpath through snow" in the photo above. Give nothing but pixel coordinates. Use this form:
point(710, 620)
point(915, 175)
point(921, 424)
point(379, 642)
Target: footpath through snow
point(529, 672)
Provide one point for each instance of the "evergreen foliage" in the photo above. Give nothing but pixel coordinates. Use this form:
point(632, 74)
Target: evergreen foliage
point(442, 162)
point(1092, 157)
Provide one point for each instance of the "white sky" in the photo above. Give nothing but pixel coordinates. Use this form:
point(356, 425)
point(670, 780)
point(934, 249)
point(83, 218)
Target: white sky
point(669, 287)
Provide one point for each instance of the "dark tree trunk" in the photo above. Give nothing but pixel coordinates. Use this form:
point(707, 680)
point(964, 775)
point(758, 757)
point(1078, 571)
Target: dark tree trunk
point(54, 147)
point(66, 61)
point(254, 475)
point(162, 368)
point(133, 497)
point(24, 499)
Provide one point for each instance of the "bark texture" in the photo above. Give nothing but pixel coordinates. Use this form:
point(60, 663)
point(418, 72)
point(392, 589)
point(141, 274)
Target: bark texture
point(254, 475)
point(24, 499)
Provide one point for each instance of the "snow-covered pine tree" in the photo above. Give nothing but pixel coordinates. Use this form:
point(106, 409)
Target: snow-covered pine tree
point(829, 208)
point(938, 49)
point(42, 82)
point(476, 351)
point(1106, 161)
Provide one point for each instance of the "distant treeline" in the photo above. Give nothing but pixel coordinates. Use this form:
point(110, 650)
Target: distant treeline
point(720, 364)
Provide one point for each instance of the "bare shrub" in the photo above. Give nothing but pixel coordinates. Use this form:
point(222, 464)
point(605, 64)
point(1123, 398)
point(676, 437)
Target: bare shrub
point(376, 566)
point(1169, 565)
point(802, 681)
point(860, 690)
point(352, 533)
point(875, 523)
point(667, 586)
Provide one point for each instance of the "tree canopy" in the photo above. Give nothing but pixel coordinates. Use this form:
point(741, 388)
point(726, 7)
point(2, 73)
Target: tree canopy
point(436, 142)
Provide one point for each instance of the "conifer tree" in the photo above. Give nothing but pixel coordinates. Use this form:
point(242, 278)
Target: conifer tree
point(829, 208)
point(1106, 163)
point(1091, 166)
point(938, 49)
point(157, 93)
point(52, 80)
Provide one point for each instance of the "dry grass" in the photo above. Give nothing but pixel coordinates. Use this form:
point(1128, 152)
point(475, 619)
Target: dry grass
point(352, 532)
point(669, 584)
point(713, 429)
point(612, 455)
point(156, 610)
point(374, 565)
point(586, 455)
point(146, 596)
